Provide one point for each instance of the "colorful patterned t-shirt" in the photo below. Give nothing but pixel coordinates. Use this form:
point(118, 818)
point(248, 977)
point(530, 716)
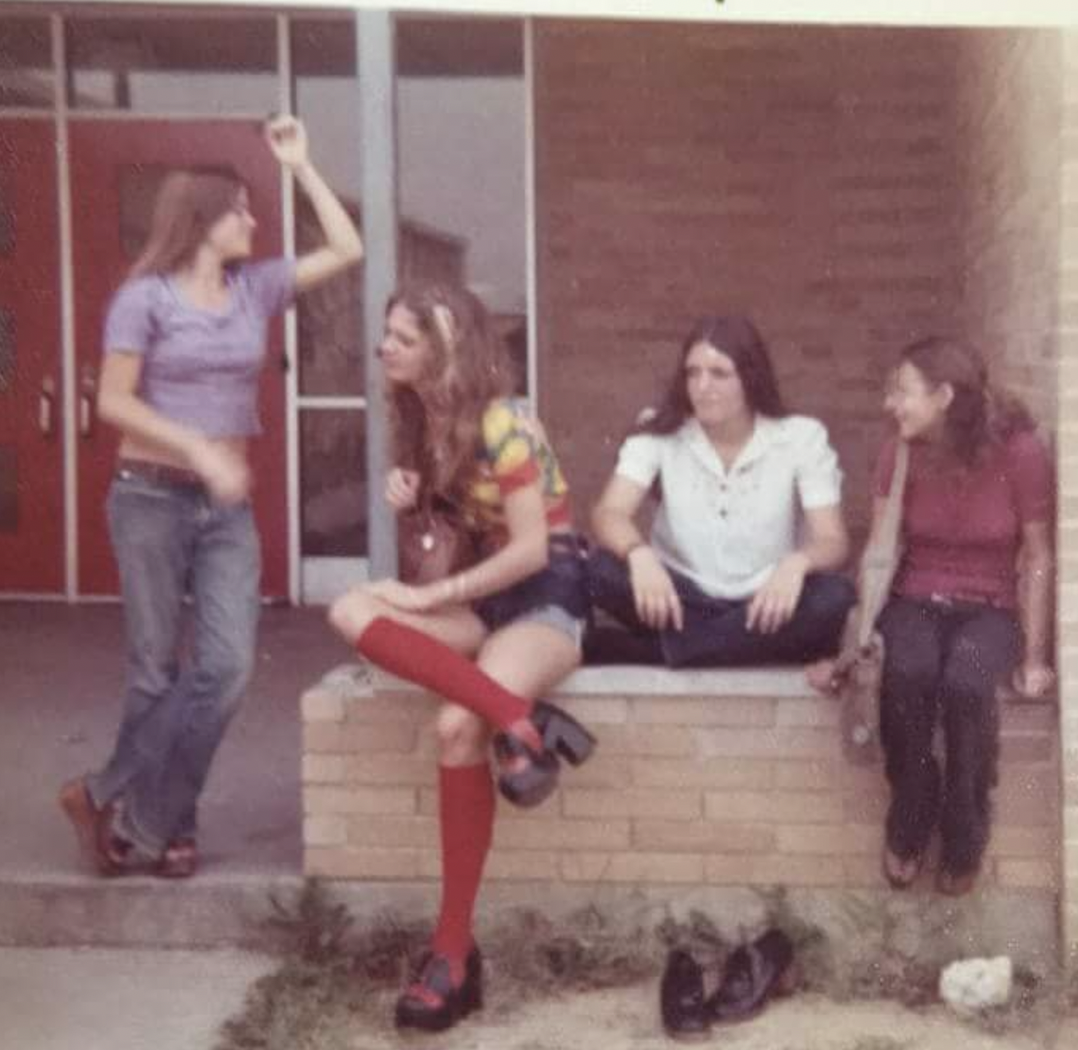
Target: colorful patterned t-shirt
point(514, 453)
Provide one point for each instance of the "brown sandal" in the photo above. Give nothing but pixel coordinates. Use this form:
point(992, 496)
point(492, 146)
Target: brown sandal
point(955, 884)
point(179, 861)
point(901, 872)
point(107, 854)
point(115, 855)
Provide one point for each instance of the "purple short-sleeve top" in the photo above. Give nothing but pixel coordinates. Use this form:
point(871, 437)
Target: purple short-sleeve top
point(200, 367)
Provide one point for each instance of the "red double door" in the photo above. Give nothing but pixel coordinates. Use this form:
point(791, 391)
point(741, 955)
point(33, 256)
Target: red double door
point(114, 170)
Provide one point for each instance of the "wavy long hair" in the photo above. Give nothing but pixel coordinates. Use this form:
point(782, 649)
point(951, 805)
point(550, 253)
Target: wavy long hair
point(438, 434)
point(979, 415)
point(738, 338)
point(188, 203)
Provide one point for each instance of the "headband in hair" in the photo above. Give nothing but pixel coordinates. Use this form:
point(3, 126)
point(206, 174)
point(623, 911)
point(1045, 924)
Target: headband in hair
point(446, 325)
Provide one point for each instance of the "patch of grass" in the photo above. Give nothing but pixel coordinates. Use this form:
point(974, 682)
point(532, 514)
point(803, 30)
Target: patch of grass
point(331, 982)
point(537, 958)
point(334, 981)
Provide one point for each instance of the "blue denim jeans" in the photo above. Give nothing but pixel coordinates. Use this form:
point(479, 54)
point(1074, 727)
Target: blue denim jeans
point(185, 673)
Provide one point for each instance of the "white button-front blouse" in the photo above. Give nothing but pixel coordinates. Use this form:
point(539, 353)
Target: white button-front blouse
point(726, 530)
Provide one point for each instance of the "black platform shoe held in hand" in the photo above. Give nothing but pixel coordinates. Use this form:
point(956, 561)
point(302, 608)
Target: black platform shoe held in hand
point(681, 997)
point(432, 1002)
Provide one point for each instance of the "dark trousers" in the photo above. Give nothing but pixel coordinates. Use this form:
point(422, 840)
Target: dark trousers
point(715, 632)
point(943, 660)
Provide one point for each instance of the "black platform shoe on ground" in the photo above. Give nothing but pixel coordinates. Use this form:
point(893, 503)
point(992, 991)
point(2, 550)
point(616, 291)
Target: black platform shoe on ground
point(754, 973)
point(432, 1003)
point(532, 775)
point(681, 997)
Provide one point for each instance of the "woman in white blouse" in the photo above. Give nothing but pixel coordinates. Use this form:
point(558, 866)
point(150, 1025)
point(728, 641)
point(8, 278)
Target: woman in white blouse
point(738, 567)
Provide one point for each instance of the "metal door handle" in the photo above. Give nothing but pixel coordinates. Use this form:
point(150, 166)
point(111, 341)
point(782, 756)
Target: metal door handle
point(87, 396)
point(46, 403)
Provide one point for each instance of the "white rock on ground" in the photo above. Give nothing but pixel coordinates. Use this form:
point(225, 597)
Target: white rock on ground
point(972, 985)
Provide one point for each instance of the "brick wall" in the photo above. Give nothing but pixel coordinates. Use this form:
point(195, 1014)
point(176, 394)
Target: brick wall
point(688, 787)
point(1017, 138)
point(849, 189)
point(805, 176)
point(1009, 112)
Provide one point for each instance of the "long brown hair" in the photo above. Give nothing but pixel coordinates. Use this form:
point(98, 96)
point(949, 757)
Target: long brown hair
point(188, 203)
point(738, 338)
point(979, 415)
point(438, 435)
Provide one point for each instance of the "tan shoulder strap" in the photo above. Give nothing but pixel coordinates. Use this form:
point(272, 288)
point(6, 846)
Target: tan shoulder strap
point(880, 560)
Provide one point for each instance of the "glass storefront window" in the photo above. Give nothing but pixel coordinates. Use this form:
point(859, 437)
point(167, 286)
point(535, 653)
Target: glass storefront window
point(461, 123)
point(333, 469)
point(207, 65)
point(333, 484)
point(326, 97)
point(25, 63)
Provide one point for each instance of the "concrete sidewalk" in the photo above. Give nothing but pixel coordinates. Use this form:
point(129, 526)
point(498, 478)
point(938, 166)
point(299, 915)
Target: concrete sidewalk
point(102, 999)
point(61, 680)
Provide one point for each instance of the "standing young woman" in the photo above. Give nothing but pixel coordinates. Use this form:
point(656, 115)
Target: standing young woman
point(970, 602)
point(488, 639)
point(184, 345)
point(736, 568)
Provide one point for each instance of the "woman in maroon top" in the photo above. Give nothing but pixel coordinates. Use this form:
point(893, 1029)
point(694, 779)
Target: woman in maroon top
point(970, 601)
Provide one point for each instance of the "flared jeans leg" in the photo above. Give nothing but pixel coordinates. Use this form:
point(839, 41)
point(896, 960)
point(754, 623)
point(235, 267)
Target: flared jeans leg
point(182, 687)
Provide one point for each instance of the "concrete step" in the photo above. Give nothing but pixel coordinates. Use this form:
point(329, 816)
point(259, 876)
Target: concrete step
point(211, 911)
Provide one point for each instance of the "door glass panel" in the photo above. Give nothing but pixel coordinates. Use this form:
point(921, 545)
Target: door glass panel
point(7, 350)
point(211, 65)
point(333, 487)
point(25, 63)
point(9, 490)
point(326, 93)
point(461, 123)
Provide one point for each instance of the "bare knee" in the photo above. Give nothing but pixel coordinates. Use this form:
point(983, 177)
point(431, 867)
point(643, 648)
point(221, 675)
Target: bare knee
point(352, 612)
point(462, 736)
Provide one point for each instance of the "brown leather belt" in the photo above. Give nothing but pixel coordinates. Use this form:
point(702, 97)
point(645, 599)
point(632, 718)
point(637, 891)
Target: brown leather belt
point(159, 473)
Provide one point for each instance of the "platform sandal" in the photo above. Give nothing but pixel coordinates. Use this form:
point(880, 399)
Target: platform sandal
point(432, 1002)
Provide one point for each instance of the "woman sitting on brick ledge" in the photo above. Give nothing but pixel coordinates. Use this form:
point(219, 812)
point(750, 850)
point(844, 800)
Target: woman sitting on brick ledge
point(725, 578)
point(518, 612)
point(975, 581)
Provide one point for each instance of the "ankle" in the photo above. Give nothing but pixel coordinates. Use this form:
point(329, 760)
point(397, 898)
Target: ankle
point(128, 838)
point(456, 959)
point(526, 731)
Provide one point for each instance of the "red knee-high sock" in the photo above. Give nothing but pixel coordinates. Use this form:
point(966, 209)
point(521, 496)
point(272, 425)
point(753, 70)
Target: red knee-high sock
point(411, 654)
point(466, 812)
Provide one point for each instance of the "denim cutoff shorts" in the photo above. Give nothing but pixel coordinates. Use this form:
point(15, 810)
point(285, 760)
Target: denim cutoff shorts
point(556, 595)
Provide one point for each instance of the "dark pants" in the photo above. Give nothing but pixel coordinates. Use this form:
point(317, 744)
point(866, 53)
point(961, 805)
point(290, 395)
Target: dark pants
point(715, 633)
point(943, 659)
